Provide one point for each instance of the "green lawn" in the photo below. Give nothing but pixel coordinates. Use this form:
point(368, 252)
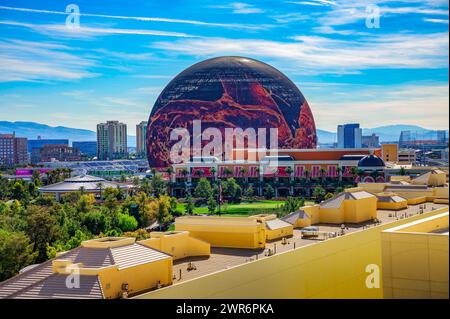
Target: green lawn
point(242, 209)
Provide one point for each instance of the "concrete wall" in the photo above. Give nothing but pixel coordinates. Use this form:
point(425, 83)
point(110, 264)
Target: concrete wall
point(335, 268)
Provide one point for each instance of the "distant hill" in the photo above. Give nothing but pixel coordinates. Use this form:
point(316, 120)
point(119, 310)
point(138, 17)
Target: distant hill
point(326, 137)
point(387, 133)
point(32, 130)
point(391, 133)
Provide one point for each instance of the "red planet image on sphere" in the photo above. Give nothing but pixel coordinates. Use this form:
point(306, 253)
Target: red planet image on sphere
point(230, 92)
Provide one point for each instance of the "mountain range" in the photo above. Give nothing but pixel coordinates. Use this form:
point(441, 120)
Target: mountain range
point(32, 130)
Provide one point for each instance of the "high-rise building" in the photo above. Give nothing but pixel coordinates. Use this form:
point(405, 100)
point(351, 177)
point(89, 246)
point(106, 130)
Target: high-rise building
point(141, 137)
point(13, 150)
point(112, 140)
point(349, 136)
point(370, 141)
point(88, 148)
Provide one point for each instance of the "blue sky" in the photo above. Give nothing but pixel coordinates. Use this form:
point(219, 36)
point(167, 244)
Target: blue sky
point(124, 53)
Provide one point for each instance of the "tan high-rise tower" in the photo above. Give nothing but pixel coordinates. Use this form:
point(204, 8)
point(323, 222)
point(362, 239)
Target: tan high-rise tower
point(112, 140)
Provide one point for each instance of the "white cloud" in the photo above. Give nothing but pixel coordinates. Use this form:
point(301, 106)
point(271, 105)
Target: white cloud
point(326, 55)
point(436, 20)
point(61, 30)
point(314, 2)
point(143, 19)
point(37, 61)
point(239, 8)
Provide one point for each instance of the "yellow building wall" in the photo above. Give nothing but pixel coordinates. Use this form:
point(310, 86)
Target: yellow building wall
point(332, 215)
point(140, 278)
point(179, 245)
point(392, 205)
point(357, 211)
point(279, 233)
point(335, 268)
point(373, 188)
point(415, 263)
point(232, 232)
point(416, 200)
point(313, 212)
point(300, 223)
point(437, 179)
point(441, 192)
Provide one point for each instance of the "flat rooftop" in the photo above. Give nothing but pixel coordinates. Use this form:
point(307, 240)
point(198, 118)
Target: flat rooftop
point(224, 258)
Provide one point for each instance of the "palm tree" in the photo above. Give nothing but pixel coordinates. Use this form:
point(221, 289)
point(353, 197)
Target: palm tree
point(289, 171)
point(339, 171)
point(227, 171)
point(323, 174)
point(213, 173)
point(306, 173)
point(199, 172)
point(354, 172)
point(402, 171)
point(99, 186)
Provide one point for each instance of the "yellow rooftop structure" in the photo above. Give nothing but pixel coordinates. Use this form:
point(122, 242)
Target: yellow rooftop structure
point(230, 232)
point(435, 177)
point(109, 267)
point(391, 201)
point(415, 258)
point(178, 244)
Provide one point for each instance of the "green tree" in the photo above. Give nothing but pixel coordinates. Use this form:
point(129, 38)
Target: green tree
point(189, 208)
point(319, 193)
point(161, 209)
point(249, 192)
point(232, 190)
point(146, 215)
point(158, 185)
point(42, 229)
point(95, 222)
point(16, 252)
point(269, 192)
point(212, 204)
point(203, 189)
point(127, 222)
point(85, 203)
point(292, 204)
point(19, 192)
